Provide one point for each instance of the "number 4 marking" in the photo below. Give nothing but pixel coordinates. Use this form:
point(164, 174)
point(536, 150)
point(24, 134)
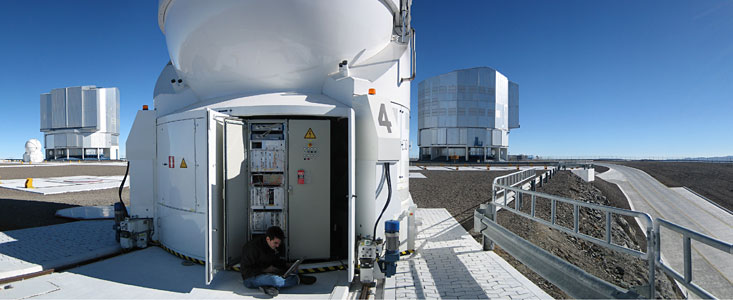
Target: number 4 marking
point(383, 119)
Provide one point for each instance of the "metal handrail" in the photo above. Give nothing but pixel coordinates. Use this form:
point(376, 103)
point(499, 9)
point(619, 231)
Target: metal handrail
point(501, 184)
point(687, 236)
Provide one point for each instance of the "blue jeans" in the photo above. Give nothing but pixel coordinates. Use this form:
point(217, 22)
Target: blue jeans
point(271, 280)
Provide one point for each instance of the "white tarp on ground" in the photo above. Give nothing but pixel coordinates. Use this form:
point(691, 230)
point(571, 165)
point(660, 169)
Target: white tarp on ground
point(60, 185)
point(88, 212)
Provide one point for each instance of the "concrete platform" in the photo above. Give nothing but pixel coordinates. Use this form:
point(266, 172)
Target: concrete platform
point(31, 250)
point(450, 264)
point(69, 184)
point(154, 273)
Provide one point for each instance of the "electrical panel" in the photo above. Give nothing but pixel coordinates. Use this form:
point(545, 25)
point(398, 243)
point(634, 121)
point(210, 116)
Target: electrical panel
point(267, 180)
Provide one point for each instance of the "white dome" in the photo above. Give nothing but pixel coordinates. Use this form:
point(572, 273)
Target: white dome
point(232, 47)
point(33, 145)
point(33, 151)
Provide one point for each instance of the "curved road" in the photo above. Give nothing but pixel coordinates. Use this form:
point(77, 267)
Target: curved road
point(711, 269)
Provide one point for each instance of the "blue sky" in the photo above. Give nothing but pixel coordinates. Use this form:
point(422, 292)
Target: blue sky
point(597, 78)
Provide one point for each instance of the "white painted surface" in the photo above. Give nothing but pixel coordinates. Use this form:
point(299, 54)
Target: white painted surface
point(31, 250)
point(416, 175)
point(712, 269)
point(69, 184)
point(153, 273)
point(450, 264)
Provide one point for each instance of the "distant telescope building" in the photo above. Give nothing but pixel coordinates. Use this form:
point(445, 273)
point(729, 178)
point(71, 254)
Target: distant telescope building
point(467, 113)
point(81, 122)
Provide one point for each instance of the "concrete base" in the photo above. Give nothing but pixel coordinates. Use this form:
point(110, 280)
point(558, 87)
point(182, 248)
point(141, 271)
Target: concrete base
point(588, 175)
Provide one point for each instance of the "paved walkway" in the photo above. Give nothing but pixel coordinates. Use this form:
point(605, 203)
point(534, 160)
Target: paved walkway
point(712, 269)
point(32, 250)
point(449, 263)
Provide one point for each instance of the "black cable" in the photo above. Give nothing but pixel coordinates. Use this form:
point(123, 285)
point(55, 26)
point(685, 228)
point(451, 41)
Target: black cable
point(389, 198)
point(124, 209)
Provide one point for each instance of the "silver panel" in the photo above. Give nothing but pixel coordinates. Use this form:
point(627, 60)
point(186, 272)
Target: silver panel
point(452, 137)
point(91, 113)
point(58, 108)
point(513, 105)
point(309, 206)
point(46, 112)
point(74, 107)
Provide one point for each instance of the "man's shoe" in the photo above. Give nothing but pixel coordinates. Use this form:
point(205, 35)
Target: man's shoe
point(270, 291)
point(305, 279)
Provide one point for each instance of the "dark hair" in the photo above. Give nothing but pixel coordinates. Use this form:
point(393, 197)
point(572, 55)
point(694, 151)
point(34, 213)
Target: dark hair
point(275, 232)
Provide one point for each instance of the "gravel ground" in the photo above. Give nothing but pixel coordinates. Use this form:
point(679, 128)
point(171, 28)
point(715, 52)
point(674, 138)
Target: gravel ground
point(712, 180)
point(460, 192)
point(600, 169)
point(20, 209)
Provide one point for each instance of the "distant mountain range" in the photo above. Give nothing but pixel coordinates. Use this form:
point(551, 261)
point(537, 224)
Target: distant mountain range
point(718, 158)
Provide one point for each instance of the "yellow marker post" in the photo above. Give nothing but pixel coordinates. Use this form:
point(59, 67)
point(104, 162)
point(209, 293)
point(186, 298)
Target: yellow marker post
point(29, 183)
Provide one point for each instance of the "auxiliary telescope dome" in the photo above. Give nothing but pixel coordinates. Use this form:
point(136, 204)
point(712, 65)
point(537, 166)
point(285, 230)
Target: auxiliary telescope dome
point(226, 48)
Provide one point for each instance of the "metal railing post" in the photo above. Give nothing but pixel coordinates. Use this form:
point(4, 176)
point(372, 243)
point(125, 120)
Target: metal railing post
point(652, 238)
point(490, 212)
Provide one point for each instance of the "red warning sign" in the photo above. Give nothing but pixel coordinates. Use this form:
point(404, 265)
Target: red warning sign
point(171, 162)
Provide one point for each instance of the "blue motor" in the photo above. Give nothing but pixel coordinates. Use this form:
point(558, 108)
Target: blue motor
point(392, 243)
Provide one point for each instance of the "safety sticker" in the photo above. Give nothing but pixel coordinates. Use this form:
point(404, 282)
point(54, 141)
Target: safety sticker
point(310, 134)
point(183, 163)
point(171, 162)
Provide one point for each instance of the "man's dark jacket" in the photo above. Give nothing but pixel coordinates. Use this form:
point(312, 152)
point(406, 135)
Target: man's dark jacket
point(257, 256)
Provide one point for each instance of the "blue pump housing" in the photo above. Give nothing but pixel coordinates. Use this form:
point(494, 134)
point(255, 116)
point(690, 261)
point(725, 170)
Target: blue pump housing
point(391, 226)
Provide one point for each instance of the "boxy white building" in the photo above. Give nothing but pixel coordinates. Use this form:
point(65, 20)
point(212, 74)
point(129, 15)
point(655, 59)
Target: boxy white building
point(81, 122)
point(467, 113)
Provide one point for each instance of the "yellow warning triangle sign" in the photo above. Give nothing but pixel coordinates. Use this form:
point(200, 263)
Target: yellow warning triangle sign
point(183, 163)
point(310, 134)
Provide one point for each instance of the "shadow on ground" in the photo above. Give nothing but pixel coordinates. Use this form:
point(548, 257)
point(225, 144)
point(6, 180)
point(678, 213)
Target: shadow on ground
point(19, 214)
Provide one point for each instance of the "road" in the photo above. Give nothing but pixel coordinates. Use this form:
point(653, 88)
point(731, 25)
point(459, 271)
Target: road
point(711, 269)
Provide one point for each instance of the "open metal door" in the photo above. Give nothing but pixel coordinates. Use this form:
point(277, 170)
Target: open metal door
point(352, 196)
point(215, 202)
point(235, 190)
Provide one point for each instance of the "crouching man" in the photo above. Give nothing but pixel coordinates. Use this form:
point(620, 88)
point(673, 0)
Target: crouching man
point(262, 268)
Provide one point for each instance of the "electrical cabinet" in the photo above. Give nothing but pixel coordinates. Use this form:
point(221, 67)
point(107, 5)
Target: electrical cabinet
point(267, 180)
point(309, 173)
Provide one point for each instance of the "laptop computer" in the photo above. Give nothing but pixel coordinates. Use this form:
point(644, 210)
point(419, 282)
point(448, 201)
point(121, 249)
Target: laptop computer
point(293, 268)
